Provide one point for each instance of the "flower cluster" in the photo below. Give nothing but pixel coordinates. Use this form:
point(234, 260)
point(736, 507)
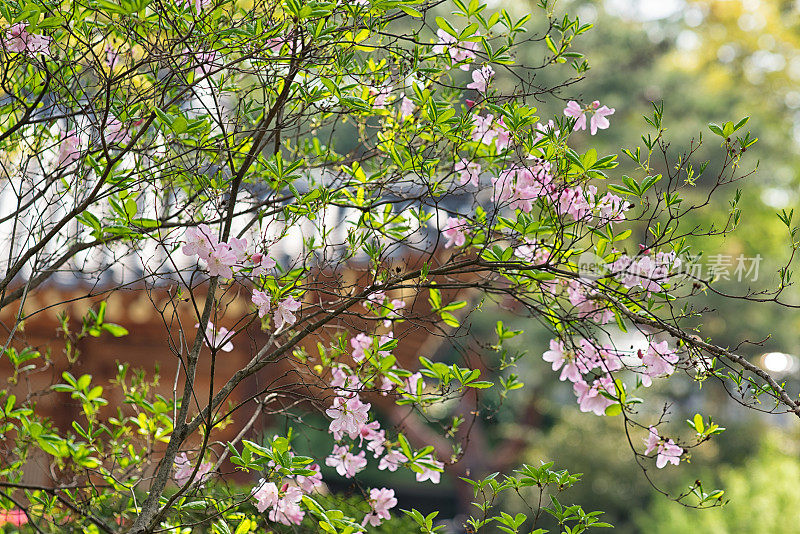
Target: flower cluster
point(647, 271)
point(222, 258)
point(184, 469)
point(461, 53)
point(18, 40)
point(667, 450)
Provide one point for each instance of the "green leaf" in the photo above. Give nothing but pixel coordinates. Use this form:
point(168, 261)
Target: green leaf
point(115, 329)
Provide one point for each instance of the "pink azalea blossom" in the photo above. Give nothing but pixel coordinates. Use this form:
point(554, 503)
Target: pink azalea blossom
point(406, 107)
point(184, 469)
point(469, 172)
point(392, 460)
point(287, 510)
point(283, 312)
point(380, 500)
point(481, 78)
point(262, 300)
point(360, 343)
point(220, 261)
point(502, 135)
point(599, 114)
point(397, 305)
point(542, 130)
point(261, 262)
point(14, 517)
point(575, 111)
point(349, 414)
point(599, 120)
point(459, 52)
point(309, 483)
point(239, 247)
point(445, 40)
point(266, 494)
point(572, 368)
point(590, 397)
point(113, 57)
point(455, 232)
point(658, 361)
point(415, 383)
point(376, 442)
point(220, 340)
point(19, 40)
point(200, 241)
point(483, 132)
point(346, 463)
point(612, 208)
point(668, 451)
point(432, 471)
point(346, 384)
point(381, 95)
point(116, 133)
point(69, 150)
point(386, 385)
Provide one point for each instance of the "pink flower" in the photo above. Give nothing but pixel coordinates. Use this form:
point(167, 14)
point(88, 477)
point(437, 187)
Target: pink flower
point(397, 305)
point(575, 111)
point(262, 300)
point(283, 313)
point(573, 367)
point(266, 494)
point(612, 208)
point(200, 241)
point(455, 232)
point(184, 469)
point(657, 361)
point(406, 107)
point(346, 463)
point(432, 471)
point(599, 120)
point(261, 263)
point(502, 135)
point(381, 95)
point(590, 397)
point(287, 510)
point(469, 172)
point(481, 78)
point(483, 132)
point(668, 451)
point(217, 340)
point(19, 40)
point(69, 150)
point(414, 384)
point(459, 52)
point(599, 114)
point(198, 4)
point(360, 343)
point(542, 130)
point(239, 247)
point(445, 40)
point(220, 261)
point(380, 500)
point(308, 483)
point(116, 133)
point(392, 460)
point(13, 517)
point(113, 57)
point(346, 384)
point(349, 414)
